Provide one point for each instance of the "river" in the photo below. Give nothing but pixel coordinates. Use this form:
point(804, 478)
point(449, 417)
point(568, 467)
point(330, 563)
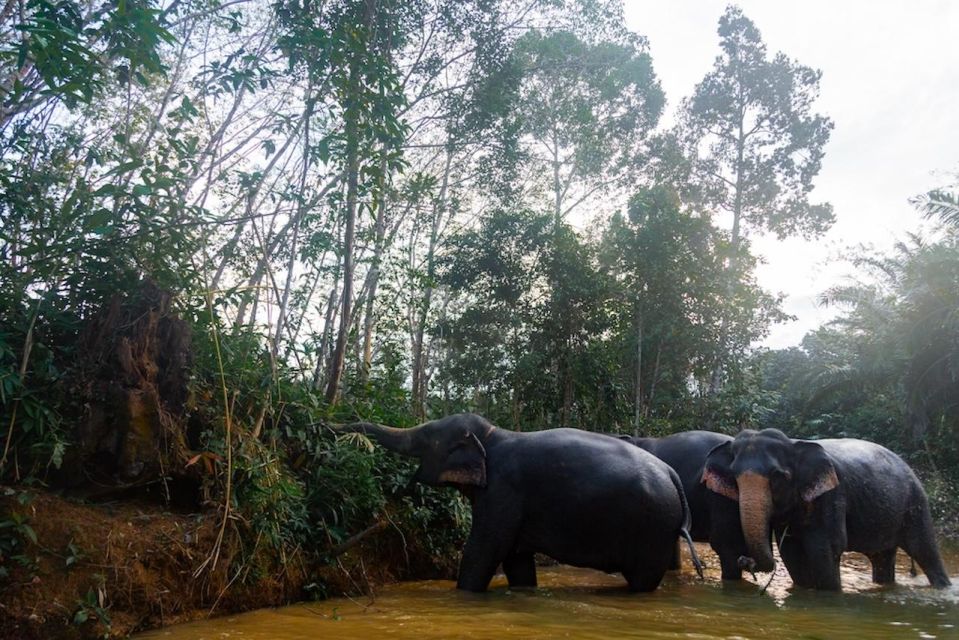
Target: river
point(581, 603)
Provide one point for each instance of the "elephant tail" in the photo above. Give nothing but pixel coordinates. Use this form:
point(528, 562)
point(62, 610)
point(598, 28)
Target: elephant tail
point(687, 522)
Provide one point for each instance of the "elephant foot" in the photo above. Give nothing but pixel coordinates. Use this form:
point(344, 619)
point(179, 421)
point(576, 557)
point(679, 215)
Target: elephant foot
point(520, 570)
point(643, 582)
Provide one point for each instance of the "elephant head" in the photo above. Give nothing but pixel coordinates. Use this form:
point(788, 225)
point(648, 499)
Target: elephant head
point(450, 450)
point(769, 475)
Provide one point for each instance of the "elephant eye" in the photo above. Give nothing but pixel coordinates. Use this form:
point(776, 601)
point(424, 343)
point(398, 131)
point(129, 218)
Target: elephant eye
point(783, 475)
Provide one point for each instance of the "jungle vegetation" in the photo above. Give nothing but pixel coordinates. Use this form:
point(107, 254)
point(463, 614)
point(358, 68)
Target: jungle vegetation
point(398, 209)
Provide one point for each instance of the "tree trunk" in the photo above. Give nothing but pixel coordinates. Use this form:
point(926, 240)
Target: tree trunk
point(638, 390)
point(323, 350)
point(652, 382)
point(346, 298)
point(733, 266)
point(378, 247)
point(301, 210)
point(419, 360)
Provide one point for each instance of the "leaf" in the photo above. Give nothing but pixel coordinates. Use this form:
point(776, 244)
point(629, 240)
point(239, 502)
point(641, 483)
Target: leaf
point(99, 219)
point(358, 439)
point(28, 532)
point(125, 166)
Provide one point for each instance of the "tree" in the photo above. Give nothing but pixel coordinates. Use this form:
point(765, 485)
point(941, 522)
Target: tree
point(756, 142)
point(941, 204)
point(496, 270)
point(889, 360)
point(664, 263)
point(667, 262)
point(583, 109)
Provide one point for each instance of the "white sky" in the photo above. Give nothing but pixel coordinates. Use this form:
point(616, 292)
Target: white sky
point(891, 85)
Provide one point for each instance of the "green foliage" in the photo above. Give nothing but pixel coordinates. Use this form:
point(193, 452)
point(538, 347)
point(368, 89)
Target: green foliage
point(758, 144)
point(16, 536)
point(941, 204)
point(886, 369)
point(525, 246)
point(93, 609)
point(71, 52)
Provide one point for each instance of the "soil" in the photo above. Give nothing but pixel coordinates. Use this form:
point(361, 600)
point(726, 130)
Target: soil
point(146, 568)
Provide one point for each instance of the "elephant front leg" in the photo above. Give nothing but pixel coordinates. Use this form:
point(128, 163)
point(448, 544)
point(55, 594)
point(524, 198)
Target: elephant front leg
point(793, 553)
point(729, 562)
point(823, 555)
point(486, 547)
point(520, 570)
point(726, 536)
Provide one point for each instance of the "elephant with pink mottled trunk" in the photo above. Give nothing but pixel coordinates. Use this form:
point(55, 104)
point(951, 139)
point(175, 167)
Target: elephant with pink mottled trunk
point(819, 499)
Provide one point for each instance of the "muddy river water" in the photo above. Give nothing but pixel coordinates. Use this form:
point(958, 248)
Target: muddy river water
point(581, 603)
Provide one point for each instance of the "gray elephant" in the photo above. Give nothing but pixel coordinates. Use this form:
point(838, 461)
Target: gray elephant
point(715, 519)
point(821, 498)
point(581, 498)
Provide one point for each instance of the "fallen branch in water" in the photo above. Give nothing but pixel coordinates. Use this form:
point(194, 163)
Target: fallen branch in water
point(354, 540)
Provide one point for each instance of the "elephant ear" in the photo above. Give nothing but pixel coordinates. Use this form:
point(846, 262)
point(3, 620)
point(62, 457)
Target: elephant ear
point(815, 474)
point(717, 475)
point(466, 463)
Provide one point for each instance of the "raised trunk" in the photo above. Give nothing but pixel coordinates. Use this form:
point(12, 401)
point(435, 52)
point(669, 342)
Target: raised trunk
point(755, 509)
point(397, 440)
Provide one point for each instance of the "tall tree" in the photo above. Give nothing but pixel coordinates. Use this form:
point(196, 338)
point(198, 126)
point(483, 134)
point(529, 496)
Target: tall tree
point(583, 108)
point(750, 125)
point(350, 48)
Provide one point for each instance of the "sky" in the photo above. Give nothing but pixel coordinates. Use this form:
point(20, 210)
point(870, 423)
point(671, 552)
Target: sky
point(891, 85)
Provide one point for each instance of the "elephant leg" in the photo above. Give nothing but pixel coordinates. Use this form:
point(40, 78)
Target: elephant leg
point(491, 539)
point(647, 569)
point(823, 555)
point(520, 570)
point(729, 565)
point(644, 579)
point(481, 556)
point(883, 566)
point(726, 536)
point(793, 553)
point(919, 542)
point(674, 564)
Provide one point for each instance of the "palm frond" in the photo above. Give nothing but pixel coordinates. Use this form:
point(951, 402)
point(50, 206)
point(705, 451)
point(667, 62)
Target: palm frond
point(939, 204)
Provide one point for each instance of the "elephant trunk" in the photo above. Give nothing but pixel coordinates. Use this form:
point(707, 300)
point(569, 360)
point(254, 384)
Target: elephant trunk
point(397, 440)
point(755, 509)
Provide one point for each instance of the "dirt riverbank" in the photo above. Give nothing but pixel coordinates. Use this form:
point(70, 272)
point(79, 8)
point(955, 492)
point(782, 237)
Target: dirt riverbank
point(94, 570)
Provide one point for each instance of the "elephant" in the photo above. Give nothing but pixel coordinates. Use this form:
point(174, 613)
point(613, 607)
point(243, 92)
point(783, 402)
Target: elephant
point(715, 519)
point(582, 498)
point(820, 498)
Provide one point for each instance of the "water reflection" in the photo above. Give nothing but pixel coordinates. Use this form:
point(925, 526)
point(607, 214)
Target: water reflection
point(580, 603)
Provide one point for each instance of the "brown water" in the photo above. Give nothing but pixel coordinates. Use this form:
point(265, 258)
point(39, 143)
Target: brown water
point(581, 603)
